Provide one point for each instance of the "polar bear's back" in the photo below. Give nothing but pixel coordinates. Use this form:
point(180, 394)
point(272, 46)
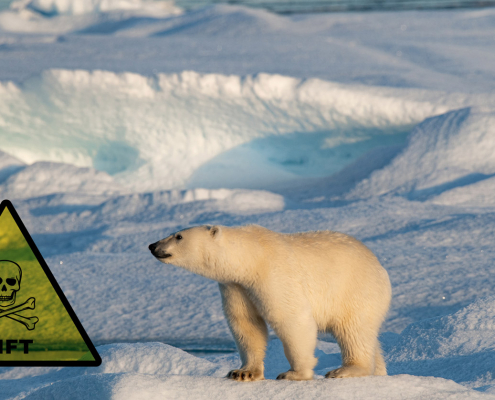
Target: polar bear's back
point(334, 268)
point(334, 253)
point(331, 247)
point(315, 252)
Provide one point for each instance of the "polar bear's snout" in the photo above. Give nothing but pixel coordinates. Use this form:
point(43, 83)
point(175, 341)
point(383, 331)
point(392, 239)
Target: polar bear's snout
point(152, 247)
point(157, 252)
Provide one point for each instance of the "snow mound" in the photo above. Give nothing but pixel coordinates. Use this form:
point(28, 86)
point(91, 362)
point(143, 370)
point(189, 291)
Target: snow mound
point(478, 194)
point(155, 205)
point(138, 18)
point(142, 358)
point(8, 166)
point(138, 387)
point(41, 179)
point(157, 371)
point(460, 346)
point(118, 360)
point(52, 8)
point(469, 330)
point(151, 358)
point(225, 19)
point(64, 16)
point(453, 150)
point(44, 178)
point(155, 133)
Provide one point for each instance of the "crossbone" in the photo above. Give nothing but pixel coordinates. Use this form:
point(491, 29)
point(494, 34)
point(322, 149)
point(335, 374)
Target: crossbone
point(29, 323)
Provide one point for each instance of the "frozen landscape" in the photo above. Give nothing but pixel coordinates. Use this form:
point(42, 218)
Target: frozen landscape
point(123, 121)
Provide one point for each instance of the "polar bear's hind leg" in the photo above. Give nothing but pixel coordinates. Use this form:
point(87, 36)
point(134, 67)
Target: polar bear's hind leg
point(360, 351)
point(380, 366)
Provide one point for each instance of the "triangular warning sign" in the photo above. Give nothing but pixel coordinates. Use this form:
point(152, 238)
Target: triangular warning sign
point(38, 327)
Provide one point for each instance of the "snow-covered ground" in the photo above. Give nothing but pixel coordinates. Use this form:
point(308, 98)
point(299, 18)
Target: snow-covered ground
point(123, 121)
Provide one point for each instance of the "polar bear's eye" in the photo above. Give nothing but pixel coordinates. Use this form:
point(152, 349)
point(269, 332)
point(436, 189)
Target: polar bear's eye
point(178, 237)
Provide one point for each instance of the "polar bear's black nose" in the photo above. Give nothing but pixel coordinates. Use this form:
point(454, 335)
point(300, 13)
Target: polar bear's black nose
point(157, 252)
point(152, 247)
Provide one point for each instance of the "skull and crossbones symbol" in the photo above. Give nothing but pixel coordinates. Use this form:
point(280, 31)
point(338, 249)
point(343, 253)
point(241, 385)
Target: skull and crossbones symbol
point(10, 284)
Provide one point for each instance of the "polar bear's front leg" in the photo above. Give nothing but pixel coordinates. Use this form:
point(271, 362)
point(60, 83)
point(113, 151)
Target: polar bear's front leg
point(298, 335)
point(249, 331)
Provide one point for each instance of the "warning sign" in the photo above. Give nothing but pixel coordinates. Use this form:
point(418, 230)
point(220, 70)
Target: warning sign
point(38, 327)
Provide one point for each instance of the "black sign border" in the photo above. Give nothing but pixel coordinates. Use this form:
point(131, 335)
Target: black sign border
point(77, 363)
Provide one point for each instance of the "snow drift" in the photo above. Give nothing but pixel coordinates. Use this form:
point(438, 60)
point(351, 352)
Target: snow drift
point(154, 133)
point(76, 7)
point(154, 370)
point(43, 178)
point(61, 16)
point(460, 346)
point(448, 152)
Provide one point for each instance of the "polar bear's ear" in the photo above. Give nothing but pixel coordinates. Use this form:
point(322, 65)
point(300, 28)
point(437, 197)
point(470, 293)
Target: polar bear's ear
point(215, 232)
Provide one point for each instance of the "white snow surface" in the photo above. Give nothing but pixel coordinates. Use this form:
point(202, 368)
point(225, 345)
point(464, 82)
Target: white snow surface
point(124, 121)
point(57, 16)
point(77, 7)
point(449, 151)
point(156, 370)
point(196, 130)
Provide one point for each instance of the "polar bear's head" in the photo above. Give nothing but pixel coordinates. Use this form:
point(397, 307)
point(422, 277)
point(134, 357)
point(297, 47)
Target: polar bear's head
point(195, 249)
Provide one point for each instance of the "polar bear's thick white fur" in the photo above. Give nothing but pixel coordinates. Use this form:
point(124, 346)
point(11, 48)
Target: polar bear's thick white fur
point(299, 284)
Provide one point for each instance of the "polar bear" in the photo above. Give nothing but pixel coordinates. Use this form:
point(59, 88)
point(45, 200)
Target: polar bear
point(299, 284)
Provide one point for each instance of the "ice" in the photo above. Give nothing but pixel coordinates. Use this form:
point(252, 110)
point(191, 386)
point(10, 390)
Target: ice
point(176, 131)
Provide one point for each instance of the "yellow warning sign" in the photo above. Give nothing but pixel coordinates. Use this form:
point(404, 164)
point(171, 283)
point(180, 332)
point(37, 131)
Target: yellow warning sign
point(37, 324)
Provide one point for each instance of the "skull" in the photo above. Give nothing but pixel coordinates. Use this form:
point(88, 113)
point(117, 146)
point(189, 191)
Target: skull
point(10, 282)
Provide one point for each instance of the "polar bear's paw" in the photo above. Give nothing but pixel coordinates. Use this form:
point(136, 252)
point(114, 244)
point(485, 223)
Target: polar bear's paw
point(296, 375)
point(242, 375)
point(351, 371)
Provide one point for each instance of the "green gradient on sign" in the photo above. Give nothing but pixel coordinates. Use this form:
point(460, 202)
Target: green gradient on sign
point(55, 336)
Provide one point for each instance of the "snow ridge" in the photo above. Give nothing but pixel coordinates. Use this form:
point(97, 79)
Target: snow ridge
point(446, 152)
point(153, 133)
point(460, 346)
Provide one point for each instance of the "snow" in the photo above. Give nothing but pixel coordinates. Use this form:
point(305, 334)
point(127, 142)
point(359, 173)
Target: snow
point(42, 178)
point(8, 166)
point(444, 152)
point(478, 193)
point(124, 121)
point(73, 7)
point(459, 346)
point(156, 370)
point(174, 131)
point(57, 16)
point(439, 50)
